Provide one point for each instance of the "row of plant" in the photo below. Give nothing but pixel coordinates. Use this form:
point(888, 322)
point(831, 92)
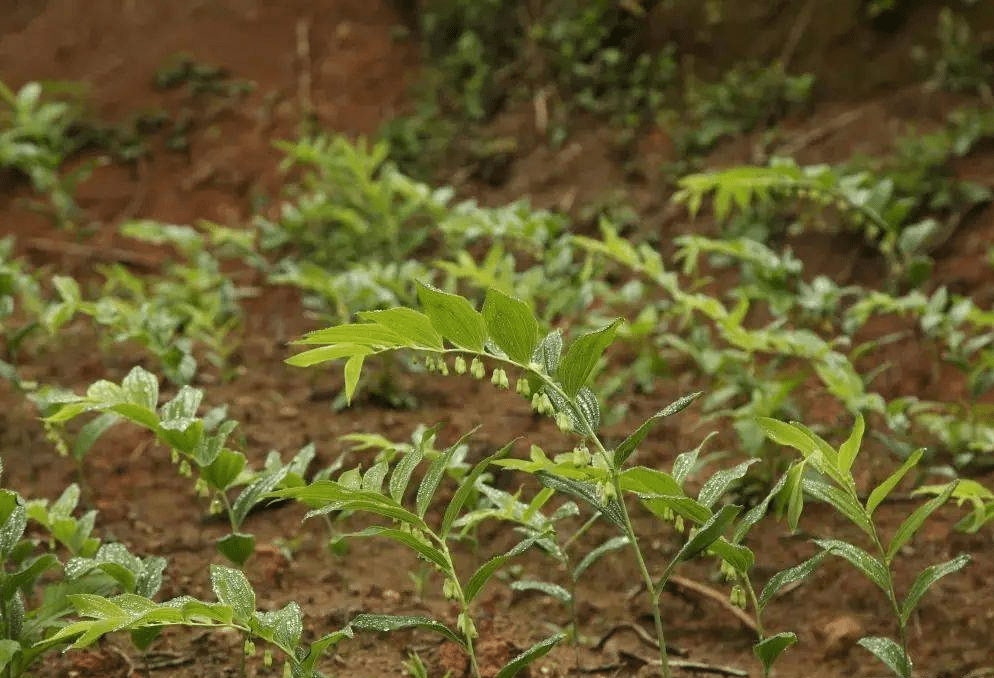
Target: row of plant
point(453, 337)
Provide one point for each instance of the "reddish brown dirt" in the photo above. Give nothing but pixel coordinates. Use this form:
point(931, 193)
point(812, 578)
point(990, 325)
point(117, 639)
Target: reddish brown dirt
point(358, 78)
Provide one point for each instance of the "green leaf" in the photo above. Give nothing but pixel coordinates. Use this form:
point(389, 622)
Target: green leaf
point(421, 546)
point(11, 531)
point(385, 623)
point(283, 626)
point(402, 471)
point(593, 556)
point(628, 445)
point(324, 354)
point(236, 547)
point(487, 570)
point(224, 470)
point(8, 649)
point(589, 411)
point(317, 648)
point(582, 357)
point(372, 479)
point(881, 491)
point(768, 649)
point(90, 433)
point(548, 352)
point(586, 492)
point(925, 579)
point(432, 478)
point(353, 368)
point(718, 484)
point(254, 492)
point(466, 487)
point(536, 651)
point(415, 327)
point(913, 522)
point(707, 534)
point(890, 653)
point(789, 576)
point(757, 512)
point(454, 318)
point(850, 448)
point(690, 509)
point(842, 501)
point(794, 489)
point(551, 590)
point(649, 481)
point(27, 575)
point(874, 570)
point(512, 325)
point(369, 335)
point(141, 388)
point(738, 556)
point(233, 589)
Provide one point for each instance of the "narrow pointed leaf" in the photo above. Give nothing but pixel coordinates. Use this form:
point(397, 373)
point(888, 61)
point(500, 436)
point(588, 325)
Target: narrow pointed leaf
point(757, 512)
point(370, 335)
point(718, 484)
point(850, 448)
point(628, 446)
point(586, 492)
point(422, 547)
point(552, 590)
point(353, 368)
point(925, 579)
point(593, 556)
point(432, 478)
point(90, 433)
point(708, 533)
point(789, 576)
point(466, 487)
point(881, 491)
point(874, 570)
point(536, 651)
point(582, 357)
point(487, 570)
point(402, 471)
point(324, 354)
point(385, 623)
point(912, 523)
point(840, 500)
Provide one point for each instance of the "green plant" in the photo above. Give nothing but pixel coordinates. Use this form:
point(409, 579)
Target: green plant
point(745, 98)
point(825, 473)
point(195, 443)
point(357, 491)
point(36, 139)
point(235, 609)
point(960, 63)
point(37, 588)
point(506, 333)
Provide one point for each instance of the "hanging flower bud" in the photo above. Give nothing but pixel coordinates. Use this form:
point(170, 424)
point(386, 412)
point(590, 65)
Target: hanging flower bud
point(476, 368)
point(459, 365)
point(522, 387)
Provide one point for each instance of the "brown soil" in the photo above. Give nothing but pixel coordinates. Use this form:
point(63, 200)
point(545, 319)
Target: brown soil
point(359, 71)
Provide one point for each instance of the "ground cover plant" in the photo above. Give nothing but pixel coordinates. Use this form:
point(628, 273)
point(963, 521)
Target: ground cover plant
point(287, 409)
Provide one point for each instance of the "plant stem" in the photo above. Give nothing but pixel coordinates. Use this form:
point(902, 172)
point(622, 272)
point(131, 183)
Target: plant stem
point(664, 666)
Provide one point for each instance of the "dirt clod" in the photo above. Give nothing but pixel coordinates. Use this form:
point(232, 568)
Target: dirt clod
point(840, 635)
